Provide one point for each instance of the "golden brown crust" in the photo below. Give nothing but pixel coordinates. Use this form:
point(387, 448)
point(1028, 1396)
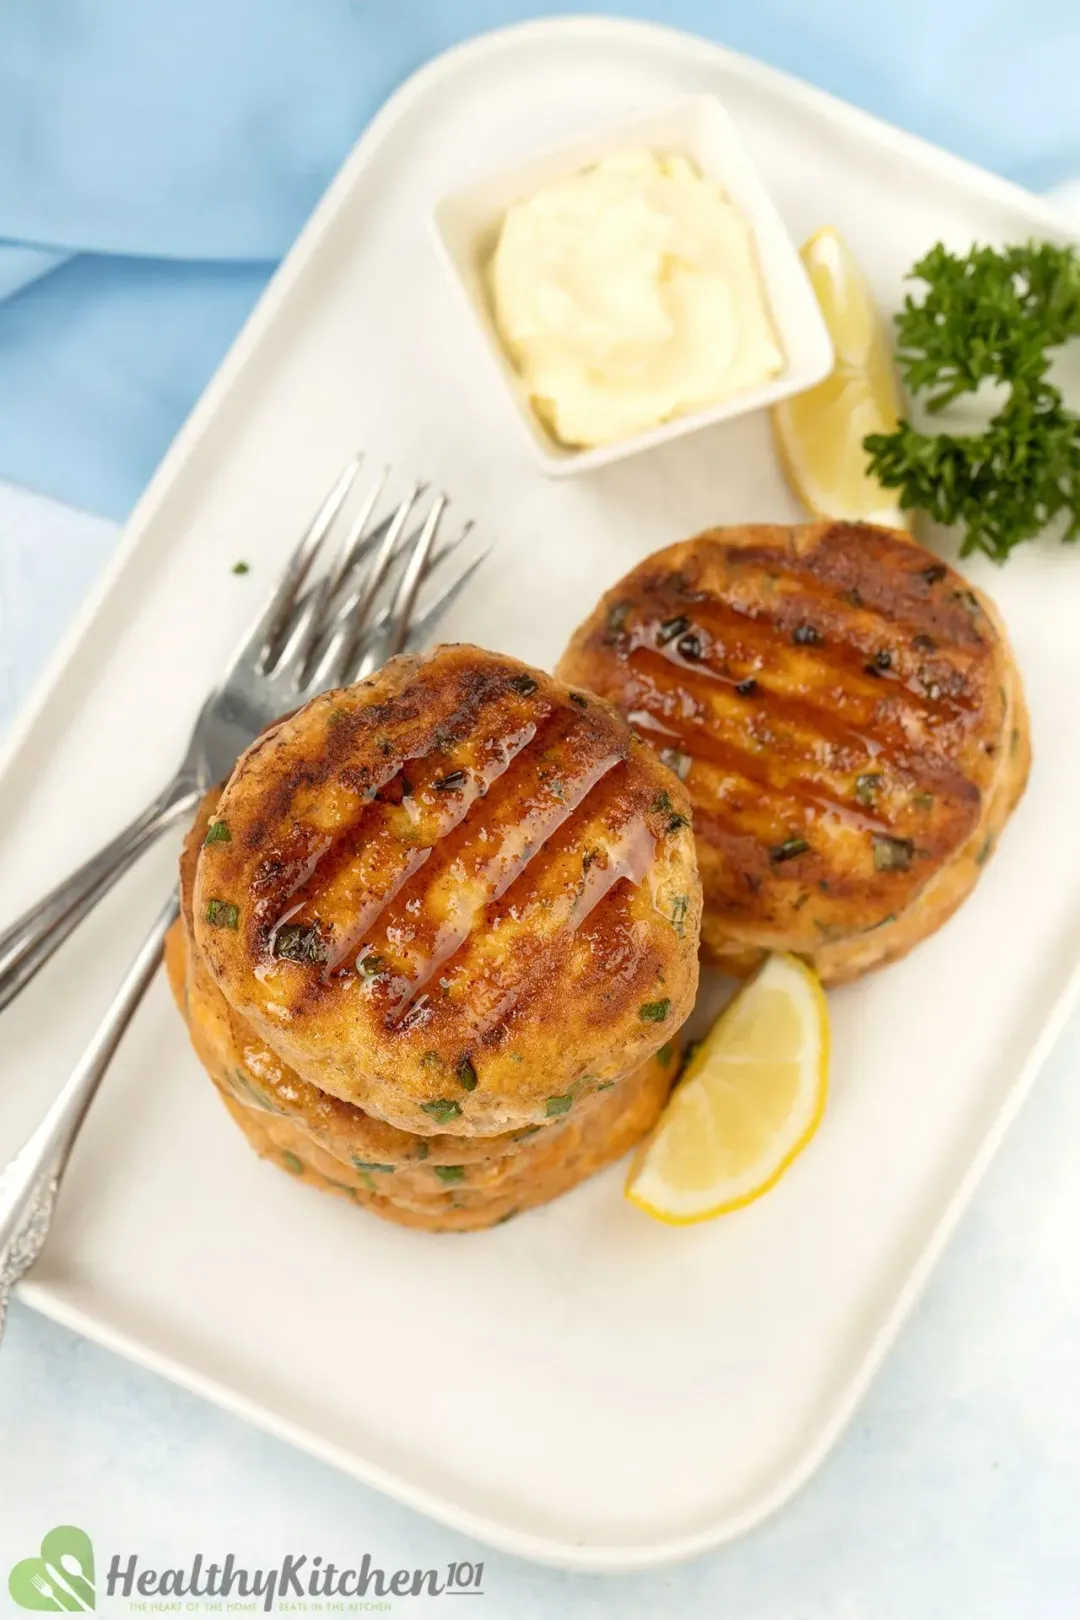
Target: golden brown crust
point(454, 1213)
point(848, 719)
point(471, 1195)
point(459, 890)
point(367, 1152)
point(436, 1194)
point(243, 1066)
point(240, 1061)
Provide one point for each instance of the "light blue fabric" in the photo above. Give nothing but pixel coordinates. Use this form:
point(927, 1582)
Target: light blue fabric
point(158, 156)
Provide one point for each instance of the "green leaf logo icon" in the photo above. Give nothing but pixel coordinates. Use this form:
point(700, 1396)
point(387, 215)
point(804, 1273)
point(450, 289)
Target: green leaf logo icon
point(61, 1578)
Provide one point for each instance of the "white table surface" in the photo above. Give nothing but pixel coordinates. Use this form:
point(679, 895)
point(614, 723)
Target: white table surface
point(955, 1493)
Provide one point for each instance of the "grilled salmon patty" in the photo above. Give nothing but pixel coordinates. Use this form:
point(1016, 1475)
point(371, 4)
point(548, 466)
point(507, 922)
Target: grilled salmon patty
point(451, 893)
point(847, 717)
point(435, 1182)
point(366, 1151)
point(240, 1061)
point(437, 1177)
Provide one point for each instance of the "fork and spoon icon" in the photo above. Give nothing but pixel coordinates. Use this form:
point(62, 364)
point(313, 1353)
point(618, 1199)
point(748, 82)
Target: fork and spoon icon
point(56, 1599)
point(61, 1577)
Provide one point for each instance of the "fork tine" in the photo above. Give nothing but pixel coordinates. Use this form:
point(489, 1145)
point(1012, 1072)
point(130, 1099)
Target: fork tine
point(353, 613)
point(421, 628)
point(351, 617)
point(309, 627)
point(332, 662)
point(433, 609)
point(353, 624)
point(356, 545)
point(424, 625)
point(373, 579)
point(442, 550)
point(259, 644)
point(404, 550)
point(448, 547)
point(405, 596)
point(300, 632)
point(308, 623)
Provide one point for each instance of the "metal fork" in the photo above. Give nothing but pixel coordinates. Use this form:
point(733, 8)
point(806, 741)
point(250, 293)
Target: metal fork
point(335, 631)
point(301, 643)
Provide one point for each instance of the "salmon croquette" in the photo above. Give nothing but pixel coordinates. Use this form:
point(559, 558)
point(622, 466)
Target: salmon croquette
point(437, 1182)
point(844, 711)
point(452, 892)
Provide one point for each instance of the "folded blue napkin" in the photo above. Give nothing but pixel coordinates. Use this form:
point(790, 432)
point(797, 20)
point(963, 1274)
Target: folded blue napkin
point(157, 158)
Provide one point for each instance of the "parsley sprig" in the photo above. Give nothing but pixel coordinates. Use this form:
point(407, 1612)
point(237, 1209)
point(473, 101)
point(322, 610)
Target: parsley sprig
point(991, 316)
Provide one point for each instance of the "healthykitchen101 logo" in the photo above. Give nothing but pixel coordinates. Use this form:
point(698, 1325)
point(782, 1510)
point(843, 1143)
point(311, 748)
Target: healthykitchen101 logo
point(61, 1577)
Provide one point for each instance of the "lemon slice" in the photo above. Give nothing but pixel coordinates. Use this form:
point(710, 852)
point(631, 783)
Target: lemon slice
point(752, 1097)
point(820, 433)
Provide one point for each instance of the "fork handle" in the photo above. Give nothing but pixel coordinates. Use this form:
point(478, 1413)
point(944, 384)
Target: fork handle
point(34, 937)
point(29, 1184)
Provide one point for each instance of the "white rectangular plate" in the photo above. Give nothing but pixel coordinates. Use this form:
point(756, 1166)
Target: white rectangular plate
point(581, 1386)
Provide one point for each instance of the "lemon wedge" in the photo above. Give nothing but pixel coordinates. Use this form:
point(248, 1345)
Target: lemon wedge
point(751, 1098)
point(820, 433)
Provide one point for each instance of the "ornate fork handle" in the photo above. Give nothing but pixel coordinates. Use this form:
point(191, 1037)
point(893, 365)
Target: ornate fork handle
point(34, 937)
point(29, 1184)
point(28, 1238)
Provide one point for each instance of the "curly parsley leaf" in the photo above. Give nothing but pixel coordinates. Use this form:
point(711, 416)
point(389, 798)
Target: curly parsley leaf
point(990, 316)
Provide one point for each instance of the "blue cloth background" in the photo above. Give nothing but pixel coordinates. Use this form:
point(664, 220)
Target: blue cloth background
point(158, 156)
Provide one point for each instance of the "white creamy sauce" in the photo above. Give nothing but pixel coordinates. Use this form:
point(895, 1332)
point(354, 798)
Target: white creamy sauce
point(630, 293)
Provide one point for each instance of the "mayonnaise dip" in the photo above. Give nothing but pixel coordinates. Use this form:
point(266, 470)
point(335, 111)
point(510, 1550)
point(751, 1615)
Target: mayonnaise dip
point(630, 293)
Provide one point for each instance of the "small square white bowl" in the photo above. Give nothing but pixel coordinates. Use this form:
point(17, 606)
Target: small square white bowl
point(467, 224)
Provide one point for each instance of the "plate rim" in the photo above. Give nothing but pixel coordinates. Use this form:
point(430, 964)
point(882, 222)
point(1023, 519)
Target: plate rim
point(857, 123)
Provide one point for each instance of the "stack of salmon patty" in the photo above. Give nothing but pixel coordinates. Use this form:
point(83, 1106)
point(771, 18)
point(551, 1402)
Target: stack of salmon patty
point(439, 931)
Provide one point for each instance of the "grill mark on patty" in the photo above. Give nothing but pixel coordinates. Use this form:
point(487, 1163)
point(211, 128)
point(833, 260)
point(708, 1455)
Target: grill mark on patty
point(604, 837)
point(411, 785)
point(732, 761)
point(905, 593)
point(804, 718)
point(436, 716)
point(680, 708)
point(667, 690)
point(732, 642)
point(336, 1125)
point(545, 918)
point(377, 862)
point(446, 810)
point(491, 851)
point(353, 876)
point(488, 854)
